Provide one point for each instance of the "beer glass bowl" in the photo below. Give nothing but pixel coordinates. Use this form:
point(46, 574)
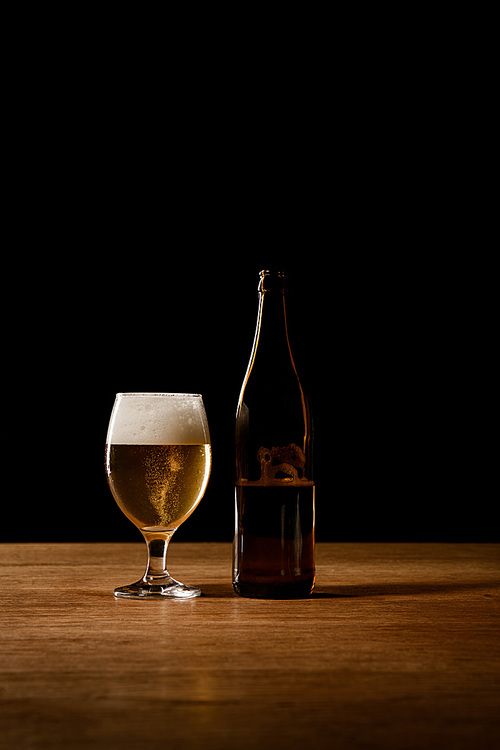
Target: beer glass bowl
point(158, 460)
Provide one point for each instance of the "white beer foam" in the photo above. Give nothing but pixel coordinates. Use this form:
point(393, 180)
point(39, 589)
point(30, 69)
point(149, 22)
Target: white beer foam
point(158, 419)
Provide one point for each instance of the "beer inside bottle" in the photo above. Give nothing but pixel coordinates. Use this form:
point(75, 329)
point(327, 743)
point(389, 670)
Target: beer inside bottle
point(273, 554)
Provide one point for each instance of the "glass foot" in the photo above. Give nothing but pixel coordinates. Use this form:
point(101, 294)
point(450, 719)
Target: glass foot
point(170, 588)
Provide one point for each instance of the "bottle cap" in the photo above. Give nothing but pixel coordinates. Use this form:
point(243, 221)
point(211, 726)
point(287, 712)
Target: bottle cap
point(271, 280)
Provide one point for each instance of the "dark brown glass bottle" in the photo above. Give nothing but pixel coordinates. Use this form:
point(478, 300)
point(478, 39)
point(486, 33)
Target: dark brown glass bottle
point(273, 555)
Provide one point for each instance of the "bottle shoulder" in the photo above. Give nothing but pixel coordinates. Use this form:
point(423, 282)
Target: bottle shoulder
point(272, 399)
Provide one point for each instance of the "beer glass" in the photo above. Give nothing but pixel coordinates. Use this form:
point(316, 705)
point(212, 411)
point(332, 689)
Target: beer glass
point(158, 460)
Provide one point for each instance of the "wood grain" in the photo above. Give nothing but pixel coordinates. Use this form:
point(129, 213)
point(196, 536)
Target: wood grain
point(398, 648)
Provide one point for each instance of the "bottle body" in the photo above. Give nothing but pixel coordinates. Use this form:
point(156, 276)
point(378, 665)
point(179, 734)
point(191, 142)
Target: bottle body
point(274, 541)
point(273, 554)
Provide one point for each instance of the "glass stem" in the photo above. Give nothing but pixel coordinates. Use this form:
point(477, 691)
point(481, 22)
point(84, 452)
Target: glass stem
point(157, 544)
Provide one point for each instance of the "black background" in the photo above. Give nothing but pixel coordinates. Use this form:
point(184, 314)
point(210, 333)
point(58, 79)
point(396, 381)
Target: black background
point(382, 346)
point(141, 223)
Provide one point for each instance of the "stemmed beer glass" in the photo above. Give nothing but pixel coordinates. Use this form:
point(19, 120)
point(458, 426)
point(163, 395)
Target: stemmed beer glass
point(158, 460)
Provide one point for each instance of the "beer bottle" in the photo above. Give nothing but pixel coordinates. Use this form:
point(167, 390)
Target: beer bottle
point(273, 553)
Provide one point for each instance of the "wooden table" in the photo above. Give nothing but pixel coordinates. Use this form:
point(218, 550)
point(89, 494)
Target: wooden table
point(398, 648)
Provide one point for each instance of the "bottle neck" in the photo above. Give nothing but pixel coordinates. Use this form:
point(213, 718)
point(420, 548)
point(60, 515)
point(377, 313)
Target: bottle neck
point(271, 334)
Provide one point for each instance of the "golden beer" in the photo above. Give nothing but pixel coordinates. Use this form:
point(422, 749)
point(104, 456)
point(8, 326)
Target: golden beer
point(158, 486)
